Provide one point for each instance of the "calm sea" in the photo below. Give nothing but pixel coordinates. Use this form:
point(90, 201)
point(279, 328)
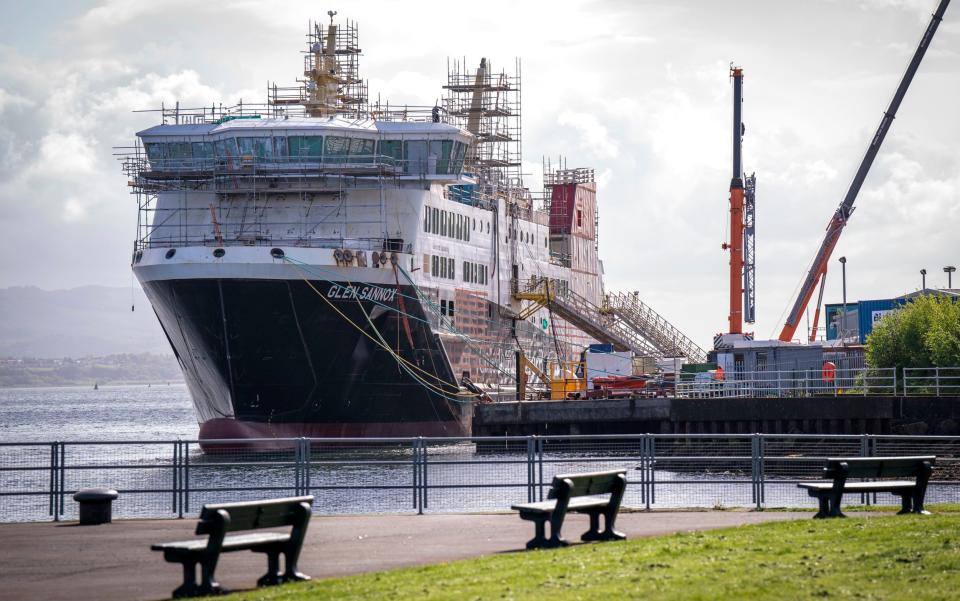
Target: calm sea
point(145, 412)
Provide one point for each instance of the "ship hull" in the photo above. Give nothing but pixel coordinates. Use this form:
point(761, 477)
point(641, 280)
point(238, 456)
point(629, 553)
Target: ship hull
point(280, 358)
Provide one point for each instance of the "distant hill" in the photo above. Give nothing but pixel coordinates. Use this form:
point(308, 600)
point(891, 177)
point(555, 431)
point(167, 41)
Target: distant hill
point(78, 322)
point(87, 371)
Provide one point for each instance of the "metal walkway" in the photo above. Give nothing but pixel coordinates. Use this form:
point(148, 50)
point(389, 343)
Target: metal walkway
point(624, 321)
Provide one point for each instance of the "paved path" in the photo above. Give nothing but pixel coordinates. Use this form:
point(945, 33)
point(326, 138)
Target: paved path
point(53, 562)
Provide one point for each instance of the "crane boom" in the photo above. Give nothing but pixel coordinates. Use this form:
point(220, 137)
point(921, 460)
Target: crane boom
point(843, 212)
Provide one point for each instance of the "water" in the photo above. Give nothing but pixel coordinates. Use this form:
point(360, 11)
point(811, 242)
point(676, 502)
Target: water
point(154, 412)
point(700, 472)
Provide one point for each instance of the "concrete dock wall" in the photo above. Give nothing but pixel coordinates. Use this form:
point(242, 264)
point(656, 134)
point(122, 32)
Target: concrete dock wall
point(800, 415)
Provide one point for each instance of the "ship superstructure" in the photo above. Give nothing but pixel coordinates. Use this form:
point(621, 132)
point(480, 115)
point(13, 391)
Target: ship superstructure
point(327, 266)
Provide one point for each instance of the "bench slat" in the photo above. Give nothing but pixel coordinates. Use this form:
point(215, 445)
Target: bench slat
point(592, 483)
point(548, 506)
point(231, 543)
point(252, 515)
point(860, 486)
point(879, 467)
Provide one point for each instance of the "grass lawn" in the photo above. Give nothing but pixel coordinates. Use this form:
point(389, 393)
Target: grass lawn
point(881, 557)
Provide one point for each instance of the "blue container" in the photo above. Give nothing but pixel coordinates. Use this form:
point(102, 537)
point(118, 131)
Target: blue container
point(601, 348)
point(872, 311)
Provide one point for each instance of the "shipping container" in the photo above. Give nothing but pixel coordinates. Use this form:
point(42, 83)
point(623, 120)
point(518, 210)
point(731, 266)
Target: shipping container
point(834, 320)
point(872, 311)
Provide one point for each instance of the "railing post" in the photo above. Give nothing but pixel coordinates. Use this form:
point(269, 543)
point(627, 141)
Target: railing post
point(175, 489)
point(181, 485)
point(531, 470)
point(646, 461)
point(425, 477)
point(652, 471)
point(307, 458)
point(936, 380)
point(539, 449)
point(53, 480)
point(754, 476)
point(63, 476)
point(415, 462)
point(185, 506)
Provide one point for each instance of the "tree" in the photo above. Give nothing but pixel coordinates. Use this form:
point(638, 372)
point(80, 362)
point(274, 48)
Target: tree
point(923, 333)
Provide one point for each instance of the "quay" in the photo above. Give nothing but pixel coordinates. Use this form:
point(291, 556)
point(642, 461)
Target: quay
point(113, 562)
point(842, 414)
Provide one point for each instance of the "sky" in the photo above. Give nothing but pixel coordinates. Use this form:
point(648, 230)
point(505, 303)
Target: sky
point(637, 90)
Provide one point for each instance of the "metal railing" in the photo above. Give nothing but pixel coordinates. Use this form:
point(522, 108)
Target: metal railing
point(788, 383)
point(174, 478)
point(931, 381)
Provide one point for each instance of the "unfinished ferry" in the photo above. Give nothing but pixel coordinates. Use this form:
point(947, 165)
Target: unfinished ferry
point(328, 266)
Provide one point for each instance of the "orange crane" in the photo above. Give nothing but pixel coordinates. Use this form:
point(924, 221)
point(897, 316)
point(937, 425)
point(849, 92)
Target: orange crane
point(818, 269)
point(741, 244)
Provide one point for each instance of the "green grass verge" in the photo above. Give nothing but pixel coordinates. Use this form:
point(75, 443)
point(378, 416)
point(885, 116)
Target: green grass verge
point(885, 557)
point(934, 507)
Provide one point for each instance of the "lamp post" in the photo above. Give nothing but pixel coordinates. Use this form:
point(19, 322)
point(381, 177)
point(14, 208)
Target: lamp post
point(923, 275)
point(843, 319)
point(949, 269)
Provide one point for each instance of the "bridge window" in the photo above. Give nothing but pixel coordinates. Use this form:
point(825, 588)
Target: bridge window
point(336, 146)
point(415, 152)
point(179, 150)
point(202, 150)
point(362, 148)
point(305, 147)
point(441, 150)
point(155, 150)
point(226, 148)
point(280, 146)
point(391, 151)
point(261, 148)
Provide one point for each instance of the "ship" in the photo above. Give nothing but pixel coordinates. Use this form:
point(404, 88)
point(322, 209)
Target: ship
point(326, 265)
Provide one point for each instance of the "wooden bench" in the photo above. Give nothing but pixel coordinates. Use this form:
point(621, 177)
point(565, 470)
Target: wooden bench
point(578, 493)
point(218, 520)
point(839, 470)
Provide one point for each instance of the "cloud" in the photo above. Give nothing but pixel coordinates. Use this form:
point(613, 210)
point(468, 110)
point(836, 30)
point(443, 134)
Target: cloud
point(594, 136)
point(66, 154)
point(9, 100)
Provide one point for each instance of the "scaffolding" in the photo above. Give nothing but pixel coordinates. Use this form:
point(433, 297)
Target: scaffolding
point(331, 83)
point(486, 103)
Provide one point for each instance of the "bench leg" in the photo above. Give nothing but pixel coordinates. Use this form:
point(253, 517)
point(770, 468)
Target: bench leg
point(292, 574)
point(610, 519)
point(273, 575)
point(594, 533)
point(189, 586)
point(209, 586)
point(906, 503)
point(824, 511)
point(539, 540)
point(918, 502)
point(835, 506)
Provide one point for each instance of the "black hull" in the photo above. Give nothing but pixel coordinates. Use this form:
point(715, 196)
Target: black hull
point(275, 358)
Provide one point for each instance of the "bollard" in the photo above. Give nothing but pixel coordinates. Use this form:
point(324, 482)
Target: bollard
point(96, 505)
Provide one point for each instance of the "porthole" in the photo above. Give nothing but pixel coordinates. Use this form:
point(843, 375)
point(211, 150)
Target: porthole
point(276, 253)
point(219, 252)
point(170, 253)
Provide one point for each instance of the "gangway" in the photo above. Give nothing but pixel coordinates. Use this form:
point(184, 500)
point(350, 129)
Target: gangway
point(623, 321)
point(663, 335)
